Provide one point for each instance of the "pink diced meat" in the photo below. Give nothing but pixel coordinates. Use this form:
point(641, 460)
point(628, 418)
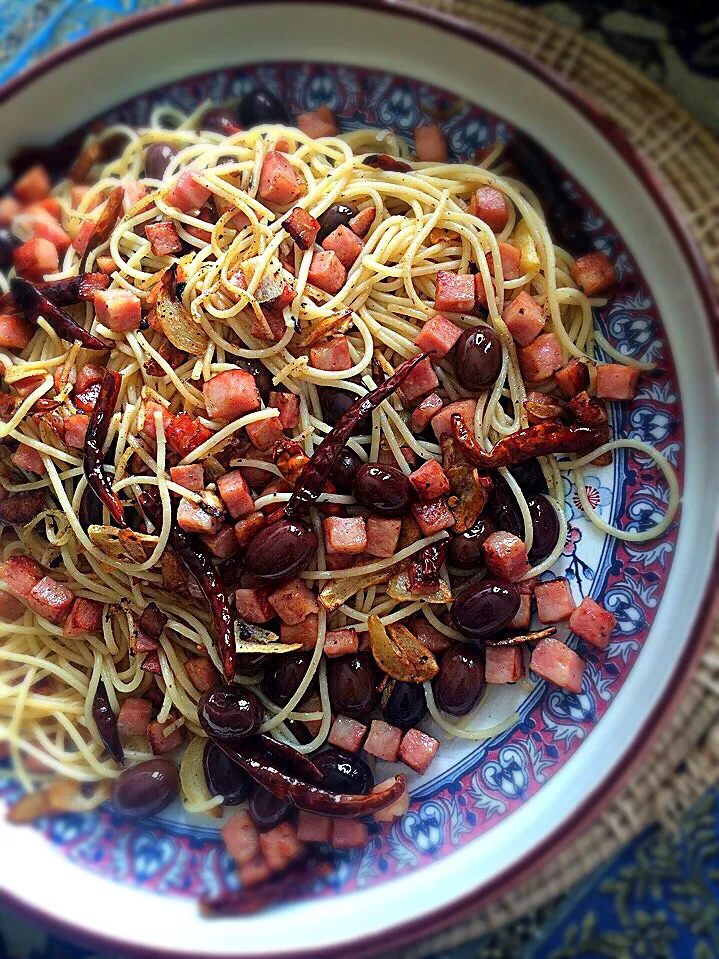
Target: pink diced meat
point(119, 310)
point(397, 809)
point(430, 636)
point(541, 358)
point(346, 244)
point(347, 734)
point(279, 181)
point(429, 144)
point(333, 355)
point(253, 606)
point(617, 382)
point(202, 673)
point(349, 834)
point(362, 221)
point(134, 716)
point(20, 574)
point(241, 837)
point(231, 394)
point(254, 872)
point(382, 536)
point(318, 123)
point(558, 663)
point(161, 743)
point(524, 318)
point(50, 599)
point(505, 555)
point(163, 238)
point(429, 481)
point(594, 273)
point(15, 331)
point(383, 741)
point(34, 185)
point(327, 272)
point(523, 616)
point(438, 336)
point(592, 623)
point(345, 534)
point(265, 433)
point(454, 292)
point(293, 602)
point(85, 617)
point(276, 322)
point(9, 209)
point(304, 633)
point(421, 416)
point(490, 205)
point(341, 642)
point(289, 406)
point(190, 477)
point(313, 828)
point(503, 664)
point(573, 378)
point(45, 226)
point(194, 519)
point(149, 427)
point(82, 237)
point(26, 458)
point(188, 194)
point(510, 257)
point(417, 750)
point(387, 458)
point(10, 607)
point(555, 602)
point(442, 422)
point(35, 258)
point(281, 846)
point(302, 227)
point(432, 517)
point(421, 380)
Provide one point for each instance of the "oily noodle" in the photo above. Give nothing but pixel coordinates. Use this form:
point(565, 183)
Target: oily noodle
point(422, 225)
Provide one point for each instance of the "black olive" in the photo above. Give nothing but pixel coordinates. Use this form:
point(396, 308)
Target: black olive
point(260, 106)
point(8, 244)
point(145, 789)
point(485, 608)
point(339, 214)
point(405, 704)
point(230, 712)
point(343, 772)
point(267, 810)
point(223, 777)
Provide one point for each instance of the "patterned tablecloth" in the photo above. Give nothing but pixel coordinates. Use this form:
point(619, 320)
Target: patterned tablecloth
point(659, 898)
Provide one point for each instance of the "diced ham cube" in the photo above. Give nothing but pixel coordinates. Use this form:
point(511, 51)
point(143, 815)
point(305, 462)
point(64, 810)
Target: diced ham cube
point(505, 555)
point(617, 382)
point(85, 617)
point(383, 741)
point(26, 458)
point(149, 427)
point(241, 837)
point(33, 185)
point(318, 123)
point(302, 227)
point(349, 834)
point(362, 221)
point(347, 734)
point(397, 809)
point(188, 194)
point(202, 673)
point(10, 607)
point(36, 258)
point(50, 599)
point(293, 602)
point(46, 227)
point(490, 205)
point(20, 574)
point(382, 536)
point(246, 529)
point(231, 394)
point(454, 292)
point(558, 663)
point(265, 433)
point(235, 494)
point(195, 519)
point(345, 534)
point(254, 873)
point(510, 257)
point(327, 272)
point(438, 336)
point(592, 623)
point(279, 181)
point(421, 380)
point(387, 458)
point(346, 244)
point(523, 616)
point(341, 642)
point(289, 406)
point(106, 264)
point(541, 358)
point(190, 477)
point(134, 716)
point(442, 422)
point(417, 750)
point(15, 331)
point(119, 310)
point(503, 664)
point(430, 636)
point(75, 430)
point(82, 237)
point(573, 378)
point(276, 322)
point(163, 238)
point(313, 828)
point(9, 209)
point(151, 662)
point(594, 273)
point(185, 434)
point(430, 145)
point(281, 847)
point(429, 407)
point(161, 743)
point(555, 602)
point(333, 355)
point(429, 481)
point(524, 318)
point(252, 605)
point(432, 517)
point(304, 633)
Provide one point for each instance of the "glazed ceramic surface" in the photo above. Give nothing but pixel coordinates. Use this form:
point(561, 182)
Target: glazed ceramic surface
point(484, 808)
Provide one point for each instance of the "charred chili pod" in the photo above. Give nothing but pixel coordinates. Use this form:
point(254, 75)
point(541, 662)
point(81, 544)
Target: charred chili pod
point(424, 570)
point(97, 429)
point(383, 161)
point(106, 223)
point(73, 289)
point(198, 562)
point(106, 722)
point(35, 304)
point(297, 762)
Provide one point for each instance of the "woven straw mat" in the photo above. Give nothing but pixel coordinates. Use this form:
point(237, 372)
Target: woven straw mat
point(684, 760)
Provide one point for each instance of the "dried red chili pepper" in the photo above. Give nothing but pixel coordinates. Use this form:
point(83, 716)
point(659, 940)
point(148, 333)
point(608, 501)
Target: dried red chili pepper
point(295, 761)
point(424, 569)
point(152, 621)
point(35, 304)
point(97, 428)
point(587, 410)
point(106, 722)
point(264, 771)
point(383, 161)
point(539, 440)
point(106, 223)
point(198, 562)
point(73, 289)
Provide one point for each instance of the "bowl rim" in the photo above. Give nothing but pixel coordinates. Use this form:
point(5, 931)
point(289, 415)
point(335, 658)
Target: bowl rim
point(635, 751)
